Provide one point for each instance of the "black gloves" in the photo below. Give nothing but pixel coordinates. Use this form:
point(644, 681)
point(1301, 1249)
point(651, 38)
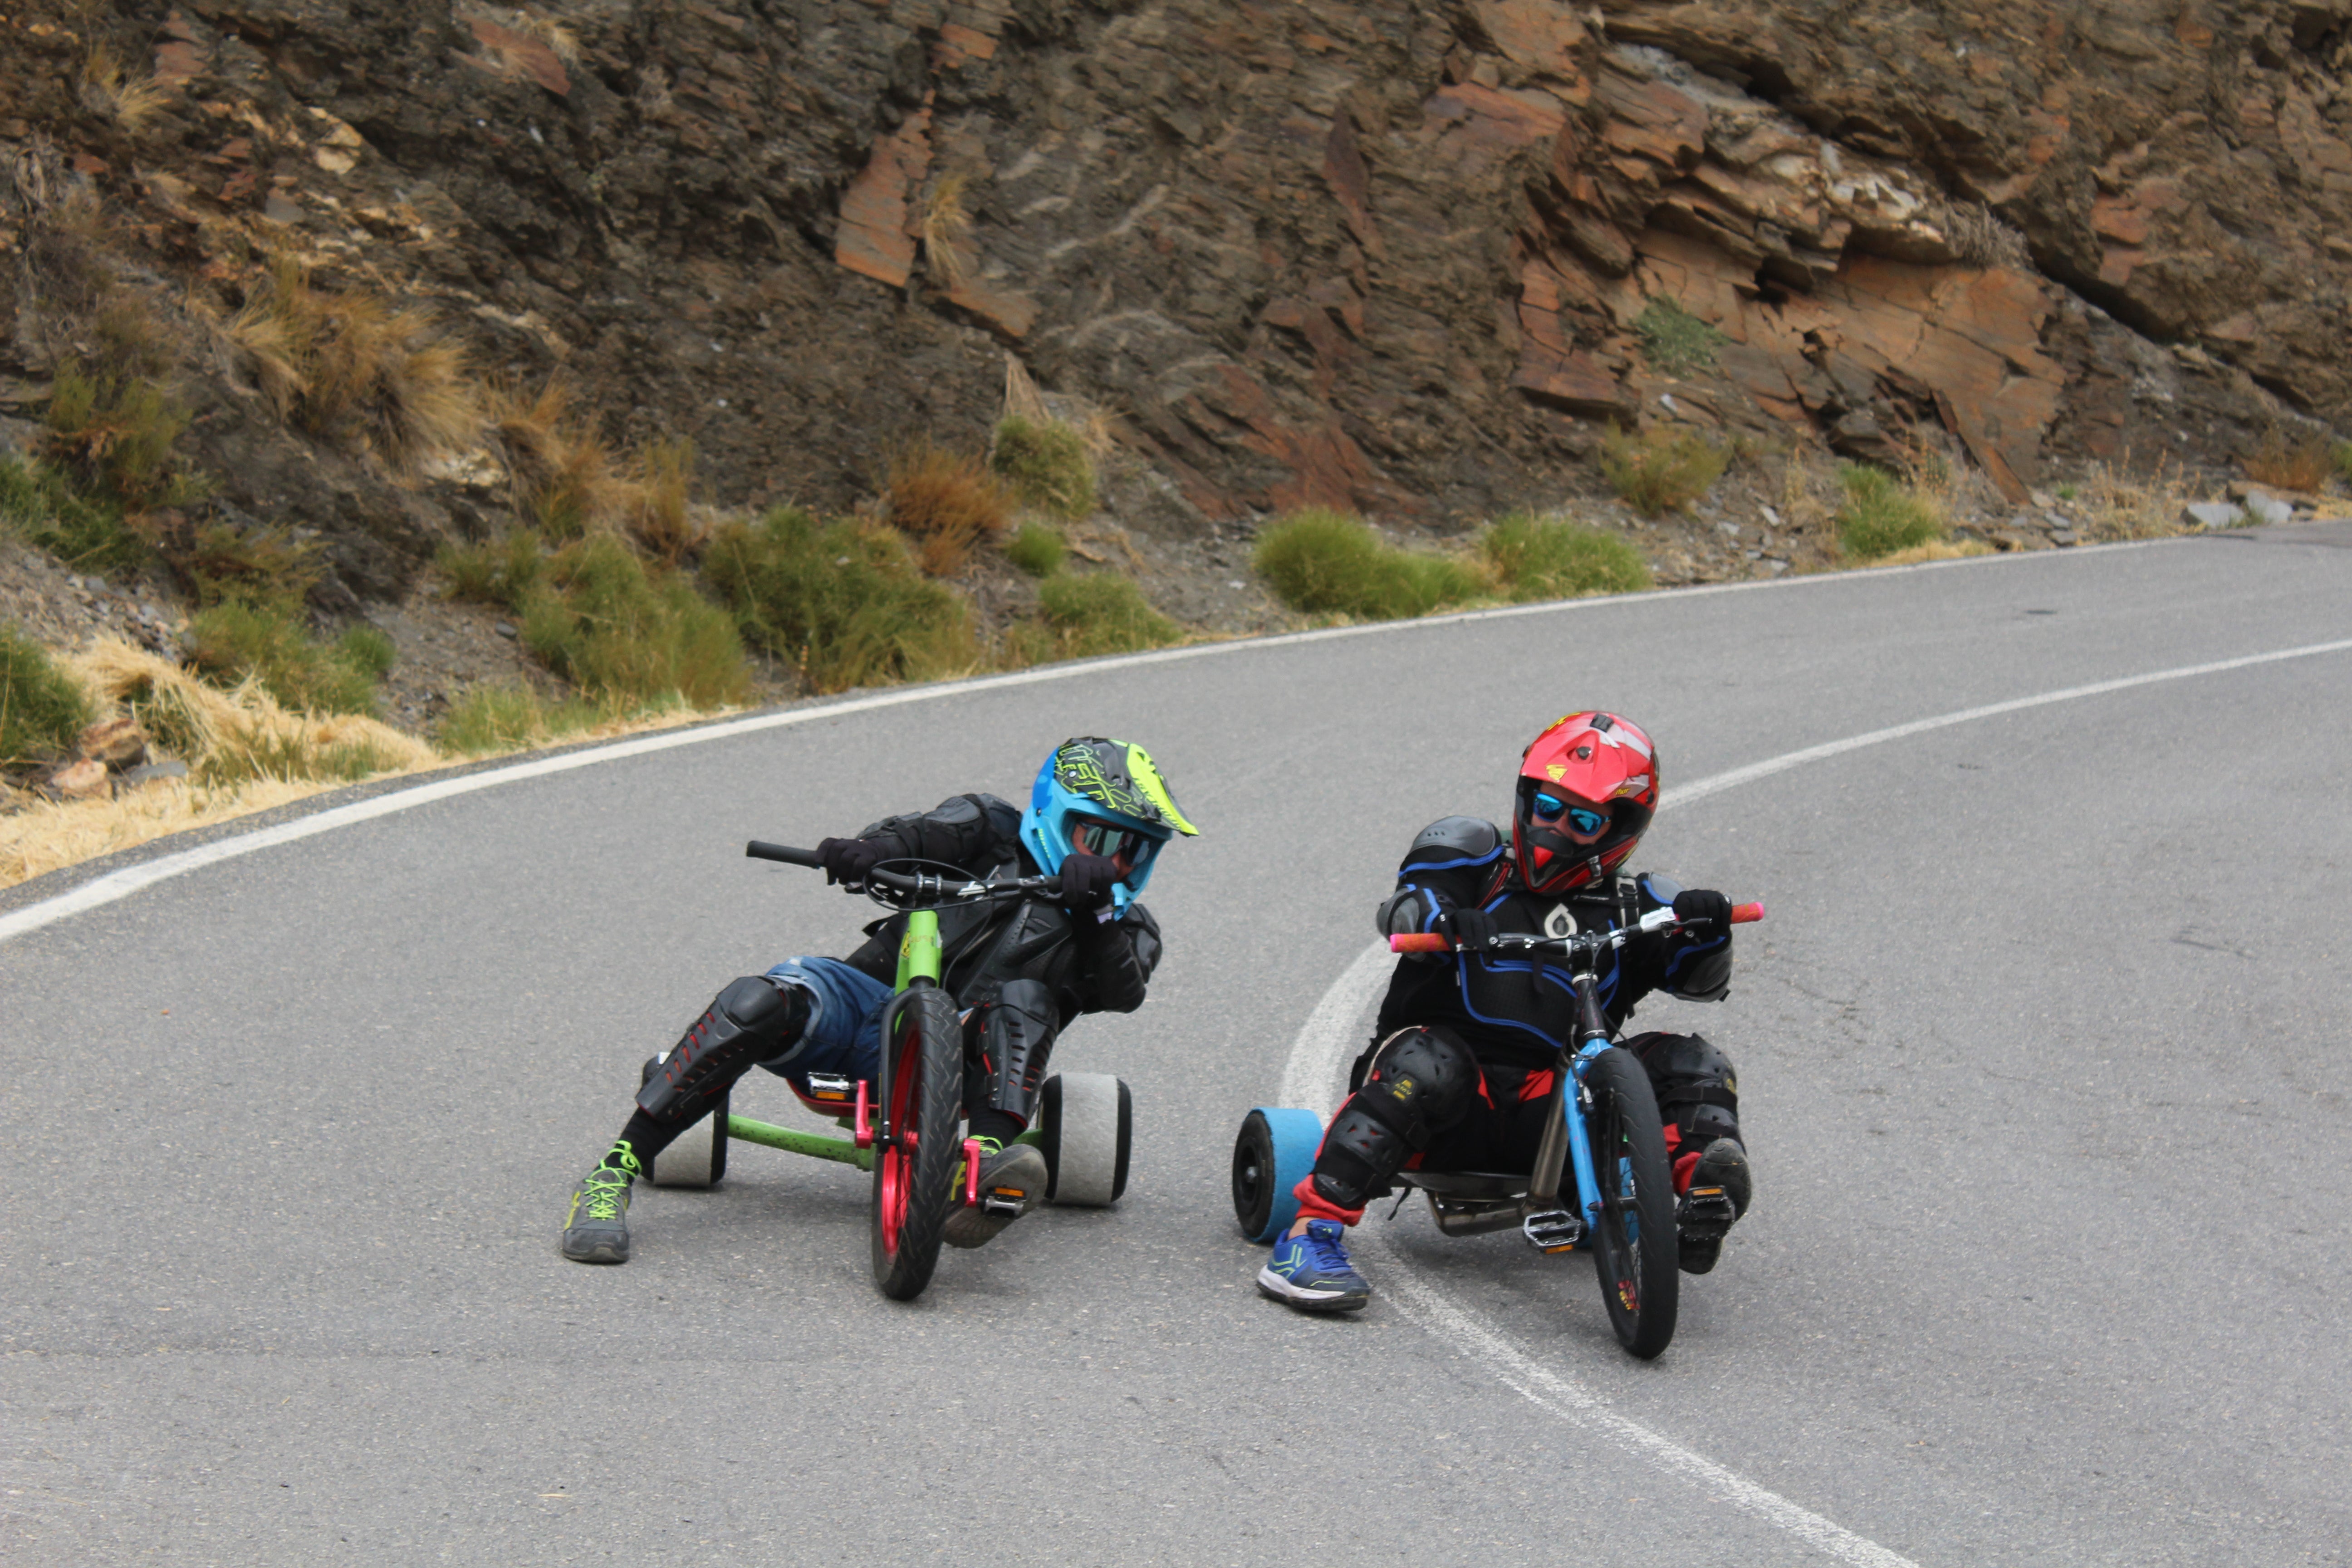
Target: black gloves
point(1086, 881)
point(1466, 927)
point(1703, 904)
point(846, 860)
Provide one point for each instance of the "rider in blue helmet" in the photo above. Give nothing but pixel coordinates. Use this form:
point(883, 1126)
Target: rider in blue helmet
point(1022, 969)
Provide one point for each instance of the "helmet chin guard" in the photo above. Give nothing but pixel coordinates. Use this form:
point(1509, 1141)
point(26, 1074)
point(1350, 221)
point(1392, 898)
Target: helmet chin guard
point(1596, 760)
point(1090, 779)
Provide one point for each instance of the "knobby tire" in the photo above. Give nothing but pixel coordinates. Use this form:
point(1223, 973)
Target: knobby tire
point(914, 1188)
point(1635, 1248)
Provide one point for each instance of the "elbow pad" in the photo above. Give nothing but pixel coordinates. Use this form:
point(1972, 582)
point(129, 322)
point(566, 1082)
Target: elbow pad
point(1406, 910)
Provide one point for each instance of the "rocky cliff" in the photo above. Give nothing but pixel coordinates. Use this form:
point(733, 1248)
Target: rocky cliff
point(1398, 256)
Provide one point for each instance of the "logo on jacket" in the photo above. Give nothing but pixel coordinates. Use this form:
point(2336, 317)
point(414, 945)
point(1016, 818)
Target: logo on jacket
point(1559, 922)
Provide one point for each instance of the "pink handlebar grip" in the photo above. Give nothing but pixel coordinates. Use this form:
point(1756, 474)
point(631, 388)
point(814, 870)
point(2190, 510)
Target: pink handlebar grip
point(1743, 913)
point(1419, 942)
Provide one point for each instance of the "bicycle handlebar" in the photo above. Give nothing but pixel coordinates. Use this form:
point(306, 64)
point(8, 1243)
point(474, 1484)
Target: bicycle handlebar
point(1432, 941)
point(922, 885)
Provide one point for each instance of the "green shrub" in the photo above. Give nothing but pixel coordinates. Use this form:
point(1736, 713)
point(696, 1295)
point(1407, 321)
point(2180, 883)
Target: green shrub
point(1321, 561)
point(844, 601)
point(42, 711)
point(1880, 515)
point(1046, 463)
point(1661, 469)
point(368, 648)
point(1036, 550)
point(2344, 461)
point(602, 622)
point(1675, 341)
point(1082, 617)
point(114, 435)
point(489, 719)
point(268, 567)
point(498, 571)
point(41, 508)
point(1550, 558)
point(238, 637)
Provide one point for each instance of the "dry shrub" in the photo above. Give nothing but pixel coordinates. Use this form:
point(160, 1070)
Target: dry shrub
point(560, 471)
point(947, 503)
point(66, 241)
point(1662, 470)
point(2302, 464)
point(351, 365)
point(1936, 550)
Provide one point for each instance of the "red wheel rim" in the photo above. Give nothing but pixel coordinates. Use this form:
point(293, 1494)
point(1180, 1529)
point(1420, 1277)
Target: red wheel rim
point(895, 1180)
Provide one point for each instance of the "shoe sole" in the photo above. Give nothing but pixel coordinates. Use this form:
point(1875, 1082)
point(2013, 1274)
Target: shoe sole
point(596, 1251)
point(1307, 1301)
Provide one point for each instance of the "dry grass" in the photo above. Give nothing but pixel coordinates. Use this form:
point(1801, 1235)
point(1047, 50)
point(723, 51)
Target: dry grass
point(562, 472)
point(129, 101)
point(1936, 550)
point(947, 503)
point(2302, 464)
point(2123, 505)
point(1663, 469)
point(946, 225)
point(661, 517)
point(352, 366)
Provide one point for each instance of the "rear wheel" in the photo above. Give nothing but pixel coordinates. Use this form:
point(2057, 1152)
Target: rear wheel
point(1086, 1123)
point(1633, 1243)
point(1273, 1152)
point(920, 1096)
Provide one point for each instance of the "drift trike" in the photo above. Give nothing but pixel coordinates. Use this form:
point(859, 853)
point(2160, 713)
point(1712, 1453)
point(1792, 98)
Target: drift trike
point(1625, 1212)
point(904, 1126)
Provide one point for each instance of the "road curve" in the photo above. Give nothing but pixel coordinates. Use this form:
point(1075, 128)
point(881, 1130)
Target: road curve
point(2042, 1051)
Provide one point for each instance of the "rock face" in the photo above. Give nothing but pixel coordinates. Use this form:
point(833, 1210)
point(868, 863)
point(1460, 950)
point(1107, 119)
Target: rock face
point(1398, 256)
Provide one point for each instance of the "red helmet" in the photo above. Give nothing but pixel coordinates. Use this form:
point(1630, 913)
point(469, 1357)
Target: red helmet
point(1588, 789)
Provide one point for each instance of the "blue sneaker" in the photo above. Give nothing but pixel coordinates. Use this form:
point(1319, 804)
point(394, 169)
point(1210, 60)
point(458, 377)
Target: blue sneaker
point(1311, 1272)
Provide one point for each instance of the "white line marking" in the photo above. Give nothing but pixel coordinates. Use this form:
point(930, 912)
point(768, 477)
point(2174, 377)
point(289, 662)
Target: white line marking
point(106, 889)
point(1311, 1079)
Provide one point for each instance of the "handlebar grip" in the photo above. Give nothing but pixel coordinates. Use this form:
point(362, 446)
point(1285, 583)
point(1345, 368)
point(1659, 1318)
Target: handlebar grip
point(1419, 942)
point(1741, 914)
point(785, 853)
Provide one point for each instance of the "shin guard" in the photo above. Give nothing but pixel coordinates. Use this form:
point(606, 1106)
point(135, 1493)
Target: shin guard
point(749, 1023)
point(1016, 1039)
point(1420, 1083)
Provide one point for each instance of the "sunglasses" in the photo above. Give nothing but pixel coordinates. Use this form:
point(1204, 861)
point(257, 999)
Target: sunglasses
point(1090, 837)
point(1582, 818)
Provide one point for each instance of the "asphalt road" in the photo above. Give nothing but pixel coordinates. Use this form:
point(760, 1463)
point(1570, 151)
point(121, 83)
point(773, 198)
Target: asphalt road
point(2043, 1049)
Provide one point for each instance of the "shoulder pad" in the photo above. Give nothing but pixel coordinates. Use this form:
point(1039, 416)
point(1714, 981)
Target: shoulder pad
point(1454, 841)
point(956, 808)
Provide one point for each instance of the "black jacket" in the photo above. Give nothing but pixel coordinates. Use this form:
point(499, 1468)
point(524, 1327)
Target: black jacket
point(1091, 966)
point(1510, 1009)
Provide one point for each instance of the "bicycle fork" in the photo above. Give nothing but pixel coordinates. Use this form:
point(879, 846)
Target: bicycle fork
point(1547, 1226)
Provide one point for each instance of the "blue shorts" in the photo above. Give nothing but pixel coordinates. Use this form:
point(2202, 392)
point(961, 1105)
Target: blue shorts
point(843, 1035)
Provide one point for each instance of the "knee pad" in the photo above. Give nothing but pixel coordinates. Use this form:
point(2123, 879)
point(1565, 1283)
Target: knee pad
point(1419, 1084)
point(749, 1023)
point(1015, 1037)
point(1697, 1086)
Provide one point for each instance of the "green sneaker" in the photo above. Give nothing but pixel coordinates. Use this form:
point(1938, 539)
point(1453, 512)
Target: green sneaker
point(597, 1229)
point(1012, 1180)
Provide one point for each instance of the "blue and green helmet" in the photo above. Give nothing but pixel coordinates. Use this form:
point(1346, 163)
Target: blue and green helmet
point(1089, 786)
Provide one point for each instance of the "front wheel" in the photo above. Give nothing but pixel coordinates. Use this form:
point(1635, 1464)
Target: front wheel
point(920, 1096)
point(1634, 1240)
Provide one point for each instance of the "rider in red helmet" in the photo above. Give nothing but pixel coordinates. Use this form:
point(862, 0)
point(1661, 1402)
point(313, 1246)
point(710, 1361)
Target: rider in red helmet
point(1459, 1073)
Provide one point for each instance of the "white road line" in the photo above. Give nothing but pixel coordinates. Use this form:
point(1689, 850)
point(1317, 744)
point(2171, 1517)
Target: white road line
point(114, 885)
point(1312, 1078)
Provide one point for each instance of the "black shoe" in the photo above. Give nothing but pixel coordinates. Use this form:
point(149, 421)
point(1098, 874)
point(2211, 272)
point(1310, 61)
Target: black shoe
point(1012, 1180)
point(597, 1229)
point(1718, 1194)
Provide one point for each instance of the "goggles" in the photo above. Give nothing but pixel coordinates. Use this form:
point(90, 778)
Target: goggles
point(1088, 836)
point(1582, 820)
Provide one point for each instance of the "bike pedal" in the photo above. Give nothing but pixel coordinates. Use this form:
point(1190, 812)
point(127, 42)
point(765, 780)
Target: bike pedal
point(1004, 1201)
point(1552, 1230)
point(1705, 1214)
